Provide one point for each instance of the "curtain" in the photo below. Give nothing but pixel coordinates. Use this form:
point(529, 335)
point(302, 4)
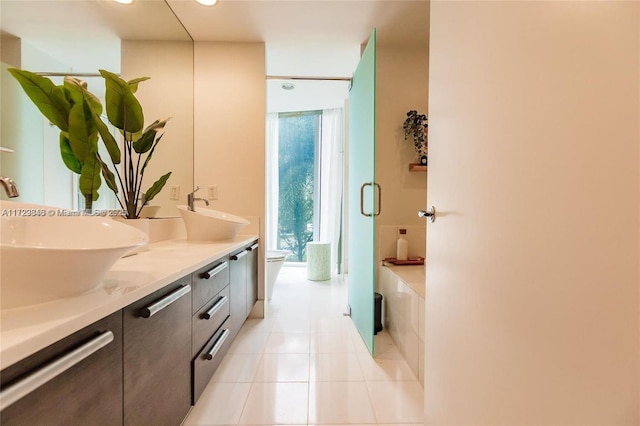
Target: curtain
point(331, 166)
point(272, 181)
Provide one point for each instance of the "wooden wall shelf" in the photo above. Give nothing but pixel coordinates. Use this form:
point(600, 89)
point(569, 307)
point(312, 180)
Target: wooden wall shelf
point(415, 167)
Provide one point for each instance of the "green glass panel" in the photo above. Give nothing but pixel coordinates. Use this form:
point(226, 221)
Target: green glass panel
point(362, 143)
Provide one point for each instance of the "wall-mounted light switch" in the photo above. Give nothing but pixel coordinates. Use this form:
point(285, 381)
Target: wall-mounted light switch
point(175, 192)
point(213, 192)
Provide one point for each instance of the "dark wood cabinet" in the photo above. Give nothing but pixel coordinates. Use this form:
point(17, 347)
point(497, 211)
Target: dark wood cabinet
point(143, 365)
point(89, 392)
point(252, 276)
point(210, 357)
point(157, 357)
point(238, 289)
point(243, 278)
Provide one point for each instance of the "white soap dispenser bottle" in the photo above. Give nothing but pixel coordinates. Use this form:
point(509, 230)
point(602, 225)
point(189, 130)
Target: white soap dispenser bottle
point(402, 250)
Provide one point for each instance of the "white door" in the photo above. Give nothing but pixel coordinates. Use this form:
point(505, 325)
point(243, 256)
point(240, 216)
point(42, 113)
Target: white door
point(532, 304)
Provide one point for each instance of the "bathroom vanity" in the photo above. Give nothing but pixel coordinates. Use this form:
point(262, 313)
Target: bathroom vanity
point(139, 350)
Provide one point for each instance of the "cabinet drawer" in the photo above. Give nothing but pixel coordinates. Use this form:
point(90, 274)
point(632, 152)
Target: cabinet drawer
point(208, 281)
point(207, 320)
point(157, 334)
point(89, 392)
point(208, 360)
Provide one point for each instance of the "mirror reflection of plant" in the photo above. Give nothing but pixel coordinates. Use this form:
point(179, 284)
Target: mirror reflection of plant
point(69, 107)
point(415, 127)
point(76, 112)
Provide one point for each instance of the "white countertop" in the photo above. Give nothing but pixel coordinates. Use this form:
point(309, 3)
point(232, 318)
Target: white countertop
point(25, 331)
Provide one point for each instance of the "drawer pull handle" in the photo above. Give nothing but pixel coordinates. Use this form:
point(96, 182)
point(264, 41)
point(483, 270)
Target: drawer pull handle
point(253, 247)
point(214, 271)
point(48, 372)
point(156, 307)
point(216, 346)
point(215, 308)
point(240, 255)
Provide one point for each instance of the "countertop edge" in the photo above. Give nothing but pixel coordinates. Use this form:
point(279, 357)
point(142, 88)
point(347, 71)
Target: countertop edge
point(45, 324)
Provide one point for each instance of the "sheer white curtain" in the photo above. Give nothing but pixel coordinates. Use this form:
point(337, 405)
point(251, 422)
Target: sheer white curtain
point(331, 166)
point(273, 182)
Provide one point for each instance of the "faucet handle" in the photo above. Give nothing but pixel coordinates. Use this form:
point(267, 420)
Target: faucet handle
point(195, 189)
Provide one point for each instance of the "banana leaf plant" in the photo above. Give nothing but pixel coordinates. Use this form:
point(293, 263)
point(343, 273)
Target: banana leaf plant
point(125, 112)
point(69, 107)
point(77, 113)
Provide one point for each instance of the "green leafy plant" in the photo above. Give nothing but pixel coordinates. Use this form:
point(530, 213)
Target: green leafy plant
point(415, 128)
point(77, 113)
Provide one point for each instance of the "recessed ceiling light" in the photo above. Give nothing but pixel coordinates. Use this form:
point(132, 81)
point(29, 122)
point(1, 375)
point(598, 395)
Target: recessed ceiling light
point(288, 86)
point(124, 1)
point(207, 2)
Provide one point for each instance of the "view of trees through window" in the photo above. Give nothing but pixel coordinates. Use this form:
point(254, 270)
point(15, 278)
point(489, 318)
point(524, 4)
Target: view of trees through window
point(298, 144)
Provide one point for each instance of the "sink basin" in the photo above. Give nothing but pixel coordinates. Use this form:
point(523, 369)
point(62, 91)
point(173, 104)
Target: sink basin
point(211, 225)
point(51, 257)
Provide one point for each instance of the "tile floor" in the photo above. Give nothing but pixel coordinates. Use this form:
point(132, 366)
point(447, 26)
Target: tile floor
point(305, 364)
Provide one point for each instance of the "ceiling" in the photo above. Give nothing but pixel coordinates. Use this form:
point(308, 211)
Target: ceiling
point(345, 21)
point(303, 37)
point(349, 21)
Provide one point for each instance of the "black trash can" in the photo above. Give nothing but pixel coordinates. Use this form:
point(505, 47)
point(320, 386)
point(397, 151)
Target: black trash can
point(377, 313)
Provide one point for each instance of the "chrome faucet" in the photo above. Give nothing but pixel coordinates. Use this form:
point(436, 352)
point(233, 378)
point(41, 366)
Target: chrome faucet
point(191, 199)
point(10, 187)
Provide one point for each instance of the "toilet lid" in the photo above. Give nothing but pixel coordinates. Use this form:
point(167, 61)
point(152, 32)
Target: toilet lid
point(276, 255)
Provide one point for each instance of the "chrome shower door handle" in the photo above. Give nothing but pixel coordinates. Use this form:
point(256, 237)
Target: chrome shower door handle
point(431, 214)
point(362, 212)
point(377, 198)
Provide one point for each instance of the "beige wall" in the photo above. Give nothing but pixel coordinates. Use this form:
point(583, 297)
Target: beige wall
point(401, 85)
point(169, 93)
point(532, 279)
point(230, 111)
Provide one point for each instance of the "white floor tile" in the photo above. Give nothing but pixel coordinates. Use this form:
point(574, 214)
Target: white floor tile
point(385, 367)
point(335, 367)
point(337, 324)
point(283, 368)
point(276, 403)
point(397, 402)
point(339, 402)
point(291, 324)
point(219, 404)
point(257, 325)
point(383, 343)
point(332, 343)
point(288, 343)
point(236, 367)
point(306, 364)
point(249, 343)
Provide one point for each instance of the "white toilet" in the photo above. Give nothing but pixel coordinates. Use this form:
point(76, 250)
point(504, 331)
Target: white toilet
point(275, 260)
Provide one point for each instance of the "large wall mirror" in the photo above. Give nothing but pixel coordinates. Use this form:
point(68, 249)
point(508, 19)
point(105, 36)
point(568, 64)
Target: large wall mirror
point(79, 38)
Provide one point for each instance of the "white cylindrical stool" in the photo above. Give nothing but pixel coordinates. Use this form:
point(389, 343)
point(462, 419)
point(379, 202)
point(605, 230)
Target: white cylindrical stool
point(318, 261)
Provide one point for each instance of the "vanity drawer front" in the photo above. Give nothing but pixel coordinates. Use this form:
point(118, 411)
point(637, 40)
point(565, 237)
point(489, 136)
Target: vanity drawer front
point(89, 392)
point(207, 320)
point(208, 360)
point(208, 281)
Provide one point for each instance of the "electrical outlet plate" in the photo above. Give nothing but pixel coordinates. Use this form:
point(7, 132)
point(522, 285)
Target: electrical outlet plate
point(212, 192)
point(175, 192)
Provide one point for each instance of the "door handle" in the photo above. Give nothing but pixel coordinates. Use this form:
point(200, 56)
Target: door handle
point(156, 307)
point(362, 212)
point(431, 214)
point(378, 199)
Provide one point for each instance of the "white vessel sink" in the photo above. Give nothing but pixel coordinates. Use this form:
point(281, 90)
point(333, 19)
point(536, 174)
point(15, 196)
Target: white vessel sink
point(211, 225)
point(48, 257)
